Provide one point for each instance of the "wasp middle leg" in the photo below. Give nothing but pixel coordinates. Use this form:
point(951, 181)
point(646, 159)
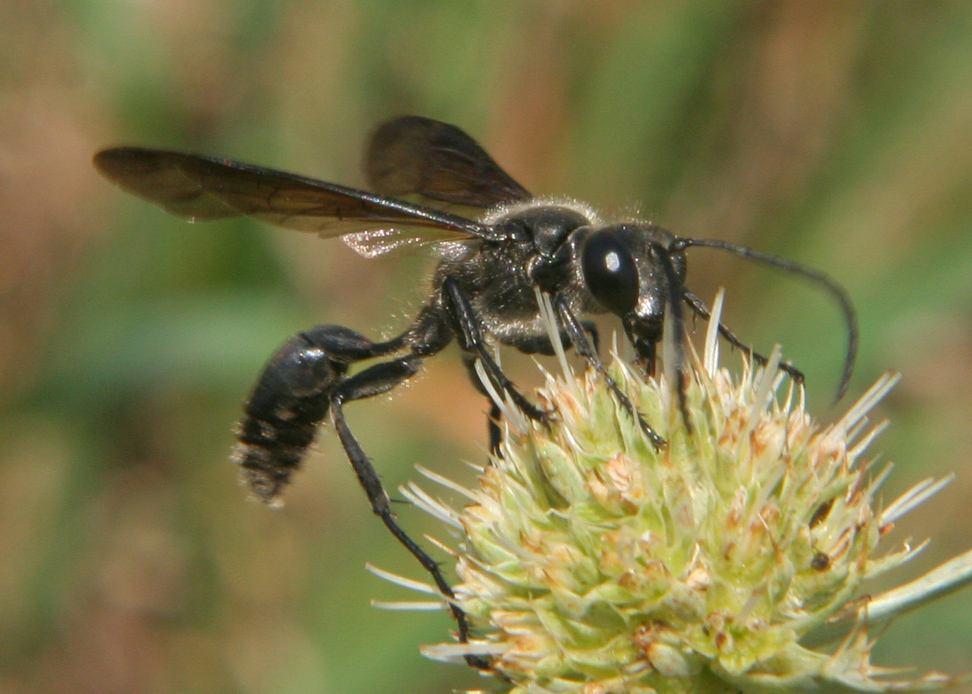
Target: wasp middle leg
point(527, 344)
point(466, 325)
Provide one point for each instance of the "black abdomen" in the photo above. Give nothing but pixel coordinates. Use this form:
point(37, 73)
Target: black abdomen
point(282, 414)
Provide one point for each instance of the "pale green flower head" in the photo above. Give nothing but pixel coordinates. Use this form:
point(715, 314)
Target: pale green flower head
point(731, 559)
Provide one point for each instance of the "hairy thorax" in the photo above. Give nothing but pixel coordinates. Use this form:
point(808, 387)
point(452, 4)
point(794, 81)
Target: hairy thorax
point(495, 275)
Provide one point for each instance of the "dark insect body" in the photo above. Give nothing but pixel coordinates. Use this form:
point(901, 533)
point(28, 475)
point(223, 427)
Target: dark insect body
point(483, 290)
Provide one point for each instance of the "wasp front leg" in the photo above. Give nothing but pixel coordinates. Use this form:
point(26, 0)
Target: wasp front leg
point(699, 307)
point(575, 330)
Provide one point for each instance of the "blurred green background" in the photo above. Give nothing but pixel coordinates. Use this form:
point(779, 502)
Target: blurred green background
point(839, 134)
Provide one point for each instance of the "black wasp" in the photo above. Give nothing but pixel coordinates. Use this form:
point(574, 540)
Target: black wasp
point(483, 290)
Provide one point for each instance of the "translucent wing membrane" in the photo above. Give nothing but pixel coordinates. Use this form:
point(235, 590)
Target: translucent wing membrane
point(375, 242)
point(420, 156)
point(201, 188)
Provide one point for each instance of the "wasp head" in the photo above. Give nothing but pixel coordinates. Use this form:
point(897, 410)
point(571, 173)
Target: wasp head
point(630, 272)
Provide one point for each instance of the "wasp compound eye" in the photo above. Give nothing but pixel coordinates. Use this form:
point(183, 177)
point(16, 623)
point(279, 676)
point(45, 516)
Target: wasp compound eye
point(610, 272)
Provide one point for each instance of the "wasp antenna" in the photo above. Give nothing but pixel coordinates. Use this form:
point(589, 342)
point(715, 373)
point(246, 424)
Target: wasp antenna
point(820, 278)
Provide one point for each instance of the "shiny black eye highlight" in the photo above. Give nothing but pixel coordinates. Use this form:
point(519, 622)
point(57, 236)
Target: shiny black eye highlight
point(610, 271)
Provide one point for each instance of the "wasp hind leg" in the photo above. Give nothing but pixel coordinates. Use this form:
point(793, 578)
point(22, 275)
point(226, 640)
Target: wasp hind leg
point(304, 381)
point(376, 380)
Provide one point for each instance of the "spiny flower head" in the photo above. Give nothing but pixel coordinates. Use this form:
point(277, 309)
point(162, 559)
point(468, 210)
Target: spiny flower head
point(730, 559)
